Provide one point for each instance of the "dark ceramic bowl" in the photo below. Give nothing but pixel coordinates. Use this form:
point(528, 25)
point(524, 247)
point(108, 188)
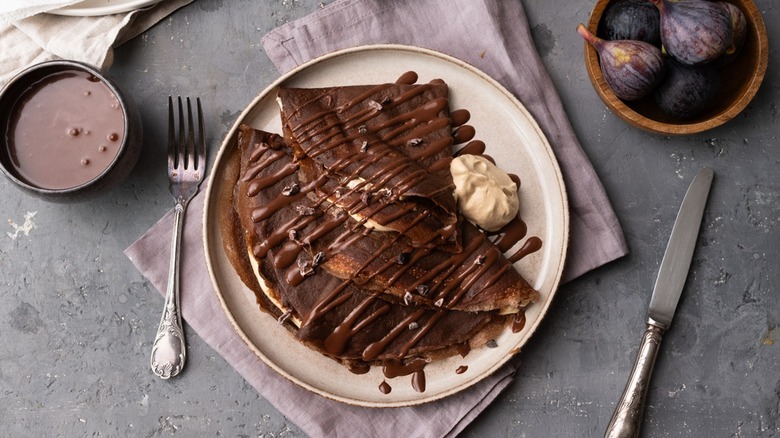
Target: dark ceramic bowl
point(117, 170)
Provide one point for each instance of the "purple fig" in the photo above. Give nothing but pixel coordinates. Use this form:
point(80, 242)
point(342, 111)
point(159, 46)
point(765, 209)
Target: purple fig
point(631, 68)
point(694, 31)
point(631, 20)
point(686, 90)
point(738, 30)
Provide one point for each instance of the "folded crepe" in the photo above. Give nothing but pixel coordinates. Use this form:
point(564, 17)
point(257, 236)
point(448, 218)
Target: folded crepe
point(382, 141)
point(328, 314)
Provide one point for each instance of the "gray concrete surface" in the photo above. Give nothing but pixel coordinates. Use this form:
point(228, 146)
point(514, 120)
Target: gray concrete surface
point(77, 320)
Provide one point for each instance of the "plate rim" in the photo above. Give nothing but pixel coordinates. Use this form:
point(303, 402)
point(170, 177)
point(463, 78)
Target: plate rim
point(251, 106)
point(75, 10)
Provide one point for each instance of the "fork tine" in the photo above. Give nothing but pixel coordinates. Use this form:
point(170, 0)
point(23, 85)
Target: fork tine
point(201, 144)
point(180, 149)
point(190, 144)
point(171, 136)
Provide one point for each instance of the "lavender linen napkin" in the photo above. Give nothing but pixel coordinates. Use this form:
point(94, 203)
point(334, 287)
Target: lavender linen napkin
point(492, 35)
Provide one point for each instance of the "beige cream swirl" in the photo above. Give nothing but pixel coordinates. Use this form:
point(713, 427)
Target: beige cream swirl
point(486, 195)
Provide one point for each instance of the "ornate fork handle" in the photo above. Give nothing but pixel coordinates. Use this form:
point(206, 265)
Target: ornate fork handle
point(169, 351)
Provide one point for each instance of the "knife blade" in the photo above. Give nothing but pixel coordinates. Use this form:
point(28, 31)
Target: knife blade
point(627, 418)
point(679, 251)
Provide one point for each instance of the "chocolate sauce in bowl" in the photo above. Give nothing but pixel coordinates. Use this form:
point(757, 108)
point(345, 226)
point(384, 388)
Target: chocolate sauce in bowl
point(65, 130)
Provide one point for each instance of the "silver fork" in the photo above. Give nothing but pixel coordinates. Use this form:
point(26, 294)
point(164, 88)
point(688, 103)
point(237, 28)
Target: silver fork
point(186, 168)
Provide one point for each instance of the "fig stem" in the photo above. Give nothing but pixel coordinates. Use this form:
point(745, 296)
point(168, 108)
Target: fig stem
point(589, 37)
point(658, 4)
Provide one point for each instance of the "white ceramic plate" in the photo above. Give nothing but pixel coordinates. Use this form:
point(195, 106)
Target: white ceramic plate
point(89, 8)
point(513, 139)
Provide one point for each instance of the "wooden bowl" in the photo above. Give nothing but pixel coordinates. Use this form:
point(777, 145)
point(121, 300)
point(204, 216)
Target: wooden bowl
point(740, 80)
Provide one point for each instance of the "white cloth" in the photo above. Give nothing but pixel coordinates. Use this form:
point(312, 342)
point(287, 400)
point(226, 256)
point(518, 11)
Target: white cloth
point(31, 39)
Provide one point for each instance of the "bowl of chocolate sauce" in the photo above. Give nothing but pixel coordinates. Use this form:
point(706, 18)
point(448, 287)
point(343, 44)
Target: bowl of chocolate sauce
point(68, 132)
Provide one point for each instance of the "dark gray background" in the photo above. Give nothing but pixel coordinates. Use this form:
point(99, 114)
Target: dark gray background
point(77, 319)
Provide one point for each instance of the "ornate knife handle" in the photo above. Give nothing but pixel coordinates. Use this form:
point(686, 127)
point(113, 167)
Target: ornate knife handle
point(627, 418)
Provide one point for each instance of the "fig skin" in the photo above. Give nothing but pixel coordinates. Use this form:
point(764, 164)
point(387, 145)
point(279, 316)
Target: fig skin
point(631, 20)
point(694, 32)
point(631, 68)
point(686, 91)
point(738, 32)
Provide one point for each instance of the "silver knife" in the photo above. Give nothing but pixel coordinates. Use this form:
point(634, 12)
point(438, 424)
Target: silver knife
point(627, 418)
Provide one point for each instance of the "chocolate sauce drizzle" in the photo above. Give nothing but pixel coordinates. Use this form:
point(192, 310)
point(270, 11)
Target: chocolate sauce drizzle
point(383, 177)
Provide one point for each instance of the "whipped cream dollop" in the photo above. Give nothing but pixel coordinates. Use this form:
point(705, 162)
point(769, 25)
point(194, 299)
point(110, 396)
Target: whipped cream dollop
point(486, 195)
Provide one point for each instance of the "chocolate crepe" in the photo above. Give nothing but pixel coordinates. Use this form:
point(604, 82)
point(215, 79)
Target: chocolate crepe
point(384, 141)
point(324, 312)
point(381, 153)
